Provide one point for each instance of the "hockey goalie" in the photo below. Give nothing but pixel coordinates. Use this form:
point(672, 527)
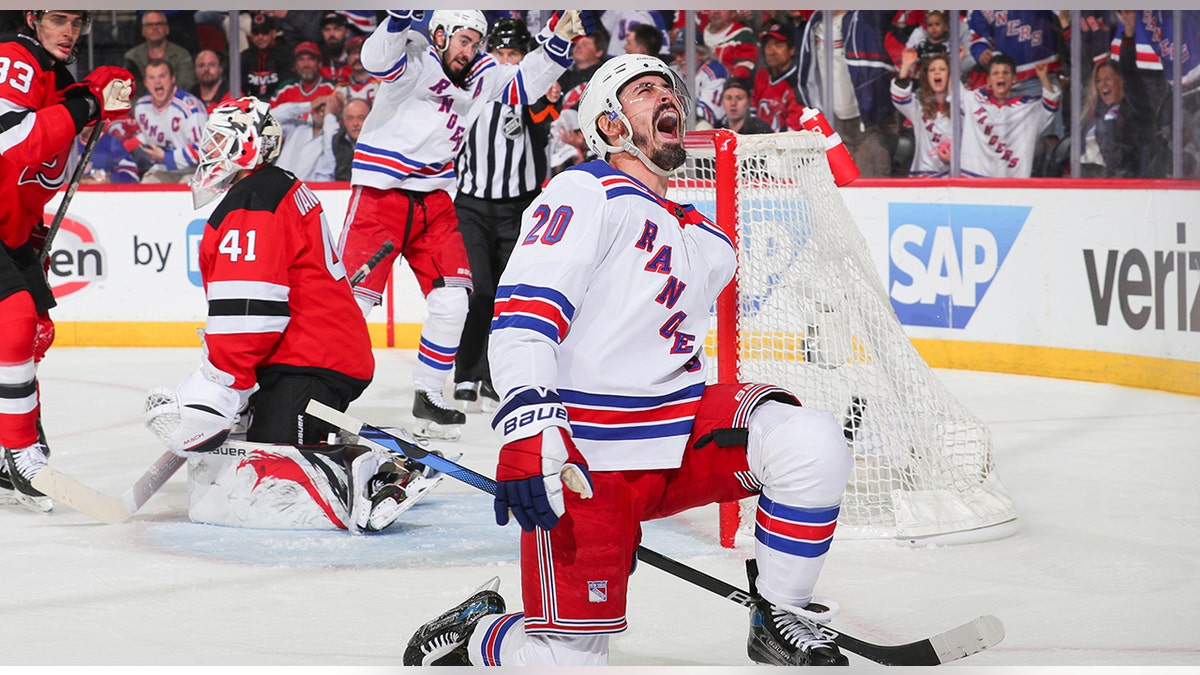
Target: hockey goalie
point(276, 292)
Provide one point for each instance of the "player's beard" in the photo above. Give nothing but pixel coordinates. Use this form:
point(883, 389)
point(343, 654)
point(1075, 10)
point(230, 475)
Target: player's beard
point(667, 157)
point(459, 78)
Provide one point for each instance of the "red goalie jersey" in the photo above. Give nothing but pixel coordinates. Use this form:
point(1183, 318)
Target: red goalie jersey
point(277, 290)
point(35, 135)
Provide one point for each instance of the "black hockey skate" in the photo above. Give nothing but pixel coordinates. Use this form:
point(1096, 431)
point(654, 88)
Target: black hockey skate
point(489, 400)
point(780, 637)
point(467, 392)
point(435, 419)
point(443, 641)
point(20, 466)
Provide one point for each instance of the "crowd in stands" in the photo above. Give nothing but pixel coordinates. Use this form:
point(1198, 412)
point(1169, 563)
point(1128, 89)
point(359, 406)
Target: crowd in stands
point(890, 94)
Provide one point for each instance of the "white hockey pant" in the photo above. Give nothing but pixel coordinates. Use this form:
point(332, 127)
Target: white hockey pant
point(801, 457)
point(440, 335)
point(519, 649)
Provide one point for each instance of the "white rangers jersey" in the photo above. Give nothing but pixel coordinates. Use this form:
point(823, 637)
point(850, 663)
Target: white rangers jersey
point(999, 137)
point(606, 300)
point(176, 127)
point(419, 118)
point(927, 134)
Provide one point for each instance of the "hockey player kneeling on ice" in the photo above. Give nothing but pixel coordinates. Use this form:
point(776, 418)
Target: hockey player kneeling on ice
point(283, 327)
point(607, 420)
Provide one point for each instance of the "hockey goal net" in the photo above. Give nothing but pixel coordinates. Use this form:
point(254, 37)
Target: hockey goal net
point(807, 311)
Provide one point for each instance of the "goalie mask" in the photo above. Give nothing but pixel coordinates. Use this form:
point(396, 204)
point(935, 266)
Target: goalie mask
point(240, 136)
point(600, 99)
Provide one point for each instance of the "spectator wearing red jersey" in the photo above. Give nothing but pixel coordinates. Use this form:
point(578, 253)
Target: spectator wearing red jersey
point(776, 97)
point(308, 110)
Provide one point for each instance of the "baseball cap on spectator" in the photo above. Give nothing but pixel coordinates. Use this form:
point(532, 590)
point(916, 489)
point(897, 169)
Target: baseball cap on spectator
point(738, 83)
point(308, 47)
point(354, 44)
point(261, 23)
point(334, 18)
point(778, 32)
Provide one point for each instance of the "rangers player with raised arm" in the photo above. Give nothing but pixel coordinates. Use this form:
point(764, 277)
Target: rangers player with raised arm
point(429, 96)
point(606, 421)
point(42, 109)
point(276, 290)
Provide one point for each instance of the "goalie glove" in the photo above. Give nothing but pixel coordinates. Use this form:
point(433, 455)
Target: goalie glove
point(538, 457)
point(197, 415)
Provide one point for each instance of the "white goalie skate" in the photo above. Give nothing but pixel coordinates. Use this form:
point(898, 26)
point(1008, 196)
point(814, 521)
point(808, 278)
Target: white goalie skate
point(384, 486)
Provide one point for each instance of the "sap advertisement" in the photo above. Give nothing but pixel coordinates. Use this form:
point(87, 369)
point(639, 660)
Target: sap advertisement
point(1088, 269)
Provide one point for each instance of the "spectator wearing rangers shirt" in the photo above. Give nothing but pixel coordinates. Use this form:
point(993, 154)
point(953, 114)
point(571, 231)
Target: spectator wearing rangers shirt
point(44, 108)
point(358, 83)
point(265, 64)
point(776, 98)
point(1001, 129)
point(1030, 37)
point(170, 122)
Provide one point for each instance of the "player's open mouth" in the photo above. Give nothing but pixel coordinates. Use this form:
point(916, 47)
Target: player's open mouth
point(667, 125)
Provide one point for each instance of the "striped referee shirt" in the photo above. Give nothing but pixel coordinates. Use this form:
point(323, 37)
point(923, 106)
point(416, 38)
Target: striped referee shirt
point(504, 155)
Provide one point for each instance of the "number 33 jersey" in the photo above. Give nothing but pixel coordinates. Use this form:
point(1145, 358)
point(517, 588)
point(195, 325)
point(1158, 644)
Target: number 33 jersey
point(606, 300)
point(277, 291)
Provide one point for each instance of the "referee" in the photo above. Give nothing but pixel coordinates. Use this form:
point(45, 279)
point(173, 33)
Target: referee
point(501, 168)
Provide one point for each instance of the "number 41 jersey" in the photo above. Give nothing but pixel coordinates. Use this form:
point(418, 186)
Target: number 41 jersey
point(277, 291)
point(606, 300)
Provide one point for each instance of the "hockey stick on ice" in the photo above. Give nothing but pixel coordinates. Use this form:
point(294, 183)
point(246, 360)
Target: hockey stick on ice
point(114, 510)
point(70, 194)
point(105, 508)
point(956, 643)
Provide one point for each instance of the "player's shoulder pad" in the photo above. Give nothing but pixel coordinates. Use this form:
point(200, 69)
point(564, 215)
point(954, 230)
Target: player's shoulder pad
point(596, 168)
point(262, 190)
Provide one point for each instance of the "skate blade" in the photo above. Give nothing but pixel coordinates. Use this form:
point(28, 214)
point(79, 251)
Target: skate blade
point(414, 492)
point(27, 502)
point(432, 431)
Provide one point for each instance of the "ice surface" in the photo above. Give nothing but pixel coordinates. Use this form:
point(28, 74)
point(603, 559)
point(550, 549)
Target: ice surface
point(1103, 571)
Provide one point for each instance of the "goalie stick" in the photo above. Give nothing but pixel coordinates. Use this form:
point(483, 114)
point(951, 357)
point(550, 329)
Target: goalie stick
point(91, 502)
point(956, 643)
point(107, 509)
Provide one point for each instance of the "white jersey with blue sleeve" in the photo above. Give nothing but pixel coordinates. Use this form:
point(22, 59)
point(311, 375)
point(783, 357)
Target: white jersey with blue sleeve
point(602, 313)
point(176, 127)
point(420, 118)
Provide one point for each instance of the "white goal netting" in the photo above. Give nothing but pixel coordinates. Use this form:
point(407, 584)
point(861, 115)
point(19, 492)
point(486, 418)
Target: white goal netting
point(813, 316)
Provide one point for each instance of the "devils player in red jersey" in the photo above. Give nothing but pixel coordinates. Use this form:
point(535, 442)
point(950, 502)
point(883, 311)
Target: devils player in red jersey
point(42, 109)
point(277, 293)
point(283, 327)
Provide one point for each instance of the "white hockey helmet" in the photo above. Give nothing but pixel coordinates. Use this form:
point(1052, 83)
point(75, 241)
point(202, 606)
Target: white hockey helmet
point(240, 136)
point(453, 20)
point(600, 98)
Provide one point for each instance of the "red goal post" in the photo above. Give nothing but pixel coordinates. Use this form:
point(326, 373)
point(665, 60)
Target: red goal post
point(807, 311)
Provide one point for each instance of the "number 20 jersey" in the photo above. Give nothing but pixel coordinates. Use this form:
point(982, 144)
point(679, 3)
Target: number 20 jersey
point(606, 300)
